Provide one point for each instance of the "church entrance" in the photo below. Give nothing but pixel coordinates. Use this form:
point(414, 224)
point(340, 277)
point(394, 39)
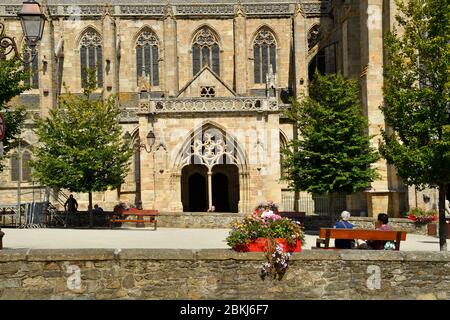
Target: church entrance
point(210, 175)
point(196, 191)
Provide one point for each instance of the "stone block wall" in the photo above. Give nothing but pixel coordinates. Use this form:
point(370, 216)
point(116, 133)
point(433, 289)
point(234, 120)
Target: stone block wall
point(220, 274)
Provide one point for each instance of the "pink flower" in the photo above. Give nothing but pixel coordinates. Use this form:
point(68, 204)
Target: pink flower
point(270, 215)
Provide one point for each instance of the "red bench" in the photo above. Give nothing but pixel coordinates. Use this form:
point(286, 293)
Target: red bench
point(134, 215)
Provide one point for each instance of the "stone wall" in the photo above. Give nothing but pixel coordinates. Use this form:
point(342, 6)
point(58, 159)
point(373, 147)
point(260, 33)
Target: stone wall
point(220, 274)
point(197, 219)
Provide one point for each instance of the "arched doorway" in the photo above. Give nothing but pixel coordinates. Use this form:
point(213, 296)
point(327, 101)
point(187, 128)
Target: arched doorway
point(194, 188)
point(225, 188)
point(222, 163)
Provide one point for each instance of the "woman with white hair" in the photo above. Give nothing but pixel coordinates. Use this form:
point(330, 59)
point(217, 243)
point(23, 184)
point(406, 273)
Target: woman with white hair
point(343, 224)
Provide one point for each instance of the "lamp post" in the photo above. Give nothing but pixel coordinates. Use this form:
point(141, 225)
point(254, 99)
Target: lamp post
point(138, 146)
point(32, 20)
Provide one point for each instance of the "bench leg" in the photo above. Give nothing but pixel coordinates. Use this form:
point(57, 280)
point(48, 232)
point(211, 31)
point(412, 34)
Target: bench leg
point(156, 221)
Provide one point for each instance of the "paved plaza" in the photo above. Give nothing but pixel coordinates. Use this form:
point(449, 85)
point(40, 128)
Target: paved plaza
point(166, 238)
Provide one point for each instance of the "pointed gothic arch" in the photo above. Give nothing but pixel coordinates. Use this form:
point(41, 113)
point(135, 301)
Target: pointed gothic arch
point(208, 138)
point(147, 47)
point(91, 54)
point(20, 168)
point(205, 50)
point(264, 46)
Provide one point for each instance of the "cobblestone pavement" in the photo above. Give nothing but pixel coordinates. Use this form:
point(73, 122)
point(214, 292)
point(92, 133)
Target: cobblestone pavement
point(170, 238)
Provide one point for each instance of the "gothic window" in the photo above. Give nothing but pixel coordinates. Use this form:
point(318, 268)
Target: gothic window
point(91, 56)
point(207, 92)
point(264, 55)
point(147, 56)
point(20, 164)
point(32, 68)
point(205, 51)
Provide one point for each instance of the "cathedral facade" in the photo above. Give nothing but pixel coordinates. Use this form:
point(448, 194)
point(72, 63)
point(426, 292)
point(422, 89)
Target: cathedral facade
point(202, 86)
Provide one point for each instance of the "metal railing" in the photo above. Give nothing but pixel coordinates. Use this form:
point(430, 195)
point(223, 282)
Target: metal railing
point(312, 203)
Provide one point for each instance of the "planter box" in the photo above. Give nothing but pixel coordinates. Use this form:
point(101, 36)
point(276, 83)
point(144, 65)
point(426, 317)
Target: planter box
point(260, 245)
point(432, 229)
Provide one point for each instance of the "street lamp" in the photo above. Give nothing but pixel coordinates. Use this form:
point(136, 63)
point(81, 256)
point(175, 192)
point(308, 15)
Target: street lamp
point(32, 20)
point(138, 146)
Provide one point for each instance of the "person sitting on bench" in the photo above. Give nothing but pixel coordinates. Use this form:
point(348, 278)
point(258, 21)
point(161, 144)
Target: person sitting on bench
point(344, 224)
point(382, 224)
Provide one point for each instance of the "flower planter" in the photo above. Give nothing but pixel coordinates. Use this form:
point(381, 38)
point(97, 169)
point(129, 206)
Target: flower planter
point(260, 245)
point(432, 229)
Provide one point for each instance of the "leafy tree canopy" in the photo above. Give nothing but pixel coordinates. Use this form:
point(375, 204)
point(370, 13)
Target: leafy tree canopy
point(333, 152)
point(82, 149)
point(12, 75)
point(416, 94)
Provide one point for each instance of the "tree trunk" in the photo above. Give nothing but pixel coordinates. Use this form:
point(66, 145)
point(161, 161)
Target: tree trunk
point(442, 226)
point(91, 217)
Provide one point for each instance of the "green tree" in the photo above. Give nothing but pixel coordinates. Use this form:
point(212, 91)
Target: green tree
point(333, 153)
point(81, 148)
point(12, 75)
point(416, 94)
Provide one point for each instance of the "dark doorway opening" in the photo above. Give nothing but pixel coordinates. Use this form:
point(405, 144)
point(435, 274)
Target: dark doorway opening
point(194, 188)
point(197, 193)
point(225, 188)
point(220, 198)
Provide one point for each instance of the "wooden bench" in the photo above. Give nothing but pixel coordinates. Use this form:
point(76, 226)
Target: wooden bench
point(134, 215)
point(350, 234)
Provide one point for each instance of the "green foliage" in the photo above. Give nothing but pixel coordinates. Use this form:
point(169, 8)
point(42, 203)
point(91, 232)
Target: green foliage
point(11, 85)
point(418, 212)
point(420, 216)
point(333, 152)
point(253, 227)
point(81, 146)
point(416, 94)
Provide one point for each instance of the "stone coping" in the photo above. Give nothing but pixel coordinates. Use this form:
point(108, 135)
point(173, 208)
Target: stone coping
point(203, 214)
point(31, 255)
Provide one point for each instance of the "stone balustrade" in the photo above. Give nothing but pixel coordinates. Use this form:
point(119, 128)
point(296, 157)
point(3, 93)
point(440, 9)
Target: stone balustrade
point(187, 105)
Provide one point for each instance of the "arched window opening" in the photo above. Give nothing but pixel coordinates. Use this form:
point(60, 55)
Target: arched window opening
point(20, 164)
point(205, 51)
point(91, 57)
point(147, 55)
point(264, 55)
